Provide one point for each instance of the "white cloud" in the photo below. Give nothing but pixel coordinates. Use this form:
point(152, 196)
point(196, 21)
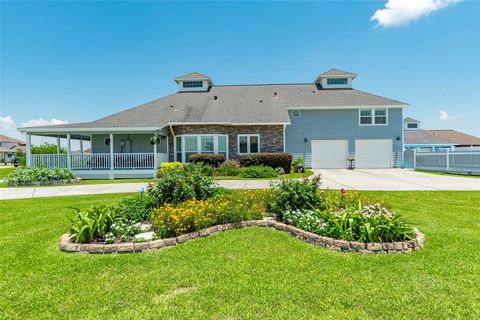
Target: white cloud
point(9, 128)
point(445, 116)
point(43, 122)
point(398, 12)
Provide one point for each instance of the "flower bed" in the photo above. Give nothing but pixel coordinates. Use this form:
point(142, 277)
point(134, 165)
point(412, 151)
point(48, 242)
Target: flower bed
point(184, 204)
point(338, 245)
point(40, 176)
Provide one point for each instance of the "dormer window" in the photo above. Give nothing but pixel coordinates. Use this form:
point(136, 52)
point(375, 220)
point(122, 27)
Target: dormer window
point(192, 84)
point(194, 81)
point(412, 125)
point(336, 81)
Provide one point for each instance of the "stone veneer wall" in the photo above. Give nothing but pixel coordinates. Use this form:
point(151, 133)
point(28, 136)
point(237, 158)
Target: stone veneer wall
point(329, 243)
point(271, 136)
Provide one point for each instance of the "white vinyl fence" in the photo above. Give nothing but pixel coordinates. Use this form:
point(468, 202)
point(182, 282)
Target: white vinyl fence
point(460, 160)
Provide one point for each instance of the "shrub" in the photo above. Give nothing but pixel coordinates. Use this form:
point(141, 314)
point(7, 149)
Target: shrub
point(214, 160)
point(38, 175)
point(371, 223)
point(179, 184)
point(169, 165)
point(344, 199)
point(173, 220)
point(272, 160)
point(259, 172)
point(136, 208)
point(229, 168)
point(295, 195)
point(298, 166)
point(93, 222)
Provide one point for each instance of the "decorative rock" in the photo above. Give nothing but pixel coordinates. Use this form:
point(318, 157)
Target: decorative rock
point(358, 246)
point(125, 247)
point(204, 232)
point(343, 245)
point(374, 246)
point(170, 242)
point(328, 241)
point(95, 248)
point(195, 235)
point(398, 246)
point(156, 244)
point(147, 236)
point(140, 246)
point(182, 238)
point(261, 223)
point(110, 248)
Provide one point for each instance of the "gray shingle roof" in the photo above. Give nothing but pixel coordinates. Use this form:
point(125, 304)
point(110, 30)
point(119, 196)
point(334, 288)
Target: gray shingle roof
point(337, 72)
point(235, 104)
point(408, 119)
point(424, 137)
point(192, 75)
point(459, 138)
point(4, 138)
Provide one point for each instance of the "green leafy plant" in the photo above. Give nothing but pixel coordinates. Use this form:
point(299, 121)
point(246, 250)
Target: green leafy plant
point(179, 184)
point(214, 160)
point(259, 172)
point(229, 168)
point(272, 160)
point(136, 208)
point(38, 175)
point(301, 194)
point(93, 222)
point(370, 223)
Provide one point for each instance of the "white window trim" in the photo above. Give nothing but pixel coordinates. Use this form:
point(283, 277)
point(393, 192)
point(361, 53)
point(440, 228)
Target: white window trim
point(199, 144)
point(248, 135)
point(372, 110)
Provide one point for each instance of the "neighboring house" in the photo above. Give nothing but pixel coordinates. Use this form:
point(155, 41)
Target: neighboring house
point(324, 122)
point(430, 140)
point(9, 147)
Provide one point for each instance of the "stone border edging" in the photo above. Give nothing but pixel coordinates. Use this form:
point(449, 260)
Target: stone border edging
point(329, 243)
point(47, 183)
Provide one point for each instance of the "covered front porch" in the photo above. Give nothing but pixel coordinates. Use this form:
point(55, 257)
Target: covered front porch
point(112, 155)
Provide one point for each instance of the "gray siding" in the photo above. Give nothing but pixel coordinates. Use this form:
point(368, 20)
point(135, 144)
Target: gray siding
point(140, 143)
point(341, 124)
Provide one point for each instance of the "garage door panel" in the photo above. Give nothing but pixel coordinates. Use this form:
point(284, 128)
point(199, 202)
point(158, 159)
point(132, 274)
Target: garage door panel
point(373, 153)
point(329, 154)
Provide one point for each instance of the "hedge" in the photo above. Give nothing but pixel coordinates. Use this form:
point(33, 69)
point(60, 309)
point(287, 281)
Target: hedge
point(273, 160)
point(215, 160)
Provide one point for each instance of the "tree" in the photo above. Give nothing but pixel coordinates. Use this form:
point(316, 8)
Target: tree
point(47, 148)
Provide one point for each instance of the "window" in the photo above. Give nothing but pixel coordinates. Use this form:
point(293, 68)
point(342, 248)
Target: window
point(366, 116)
point(373, 116)
point(334, 81)
point(192, 84)
point(380, 116)
point(207, 144)
point(191, 147)
point(412, 125)
point(187, 145)
point(178, 147)
point(248, 143)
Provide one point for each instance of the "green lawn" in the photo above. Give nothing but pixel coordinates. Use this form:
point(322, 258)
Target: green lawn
point(248, 273)
point(5, 172)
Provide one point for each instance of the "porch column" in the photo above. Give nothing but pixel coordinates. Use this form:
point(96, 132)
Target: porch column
point(112, 162)
point(69, 158)
point(81, 145)
point(29, 149)
point(58, 151)
point(155, 156)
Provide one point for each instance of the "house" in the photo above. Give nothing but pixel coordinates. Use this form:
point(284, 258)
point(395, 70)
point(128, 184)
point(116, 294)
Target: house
point(323, 121)
point(9, 147)
point(430, 140)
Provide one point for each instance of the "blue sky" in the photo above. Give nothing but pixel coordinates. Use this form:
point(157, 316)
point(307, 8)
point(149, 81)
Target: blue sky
point(74, 61)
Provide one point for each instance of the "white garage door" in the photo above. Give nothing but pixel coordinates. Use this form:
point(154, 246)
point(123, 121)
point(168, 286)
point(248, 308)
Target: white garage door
point(329, 154)
point(373, 153)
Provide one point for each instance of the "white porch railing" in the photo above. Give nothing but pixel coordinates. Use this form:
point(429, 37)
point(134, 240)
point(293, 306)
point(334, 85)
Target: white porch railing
point(99, 161)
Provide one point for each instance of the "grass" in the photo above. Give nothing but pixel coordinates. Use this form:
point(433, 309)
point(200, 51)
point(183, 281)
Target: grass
point(291, 175)
point(5, 172)
point(449, 174)
point(242, 274)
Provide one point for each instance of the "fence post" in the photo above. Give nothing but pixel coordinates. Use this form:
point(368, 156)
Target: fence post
point(414, 159)
point(448, 160)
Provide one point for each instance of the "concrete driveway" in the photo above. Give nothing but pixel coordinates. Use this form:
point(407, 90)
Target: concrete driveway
point(393, 179)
